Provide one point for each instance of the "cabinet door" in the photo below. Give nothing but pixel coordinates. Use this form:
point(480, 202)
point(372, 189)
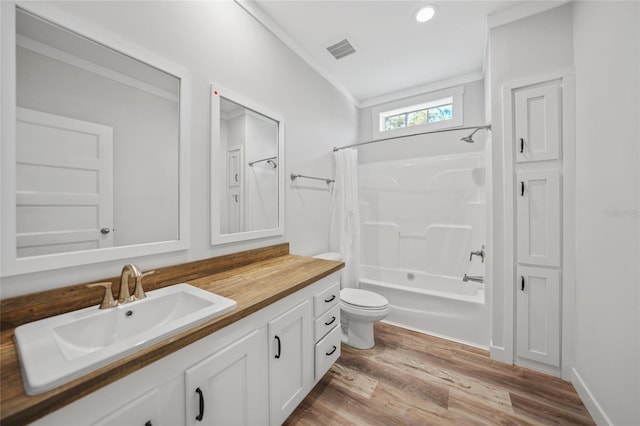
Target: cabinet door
point(230, 386)
point(538, 320)
point(290, 360)
point(539, 212)
point(538, 117)
point(143, 411)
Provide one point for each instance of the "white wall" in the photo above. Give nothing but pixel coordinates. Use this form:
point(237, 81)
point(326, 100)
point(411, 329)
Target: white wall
point(529, 47)
point(261, 180)
point(219, 42)
point(607, 352)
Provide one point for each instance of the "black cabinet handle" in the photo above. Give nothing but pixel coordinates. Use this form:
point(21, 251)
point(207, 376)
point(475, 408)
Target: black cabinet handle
point(331, 352)
point(333, 296)
point(521, 283)
point(330, 322)
point(522, 189)
point(521, 145)
point(148, 423)
point(279, 348)
point(200, 405)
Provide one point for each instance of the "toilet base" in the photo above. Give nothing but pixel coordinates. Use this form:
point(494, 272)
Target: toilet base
point(360, 335)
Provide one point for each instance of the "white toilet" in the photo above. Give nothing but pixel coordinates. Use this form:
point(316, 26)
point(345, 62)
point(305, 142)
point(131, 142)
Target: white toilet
point(359, 309)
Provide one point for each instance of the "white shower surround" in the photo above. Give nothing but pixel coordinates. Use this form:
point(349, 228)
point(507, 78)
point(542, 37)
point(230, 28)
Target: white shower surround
point(420, 219)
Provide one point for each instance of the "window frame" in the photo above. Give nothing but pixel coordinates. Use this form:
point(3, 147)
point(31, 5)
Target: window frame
point(418, 103)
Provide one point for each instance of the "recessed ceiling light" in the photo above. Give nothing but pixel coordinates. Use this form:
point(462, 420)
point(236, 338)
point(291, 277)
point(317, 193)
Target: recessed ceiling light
point(425, 13)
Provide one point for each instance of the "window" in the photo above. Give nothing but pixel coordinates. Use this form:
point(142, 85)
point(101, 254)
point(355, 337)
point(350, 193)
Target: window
point(419, 114)
point(416, 115)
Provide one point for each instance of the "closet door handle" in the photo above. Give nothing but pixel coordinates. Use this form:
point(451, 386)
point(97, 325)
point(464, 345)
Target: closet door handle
point(331, 352)
point(521, 189)
point(200, 415)
point(521, 145)
point(333, 296)
point(277, 356)
point(330, 322)
point(521, 282)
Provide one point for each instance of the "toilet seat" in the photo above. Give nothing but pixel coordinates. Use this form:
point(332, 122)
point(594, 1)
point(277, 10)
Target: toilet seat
point(363, 299)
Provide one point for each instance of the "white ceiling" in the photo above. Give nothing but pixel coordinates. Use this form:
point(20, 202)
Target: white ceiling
point(394, 53)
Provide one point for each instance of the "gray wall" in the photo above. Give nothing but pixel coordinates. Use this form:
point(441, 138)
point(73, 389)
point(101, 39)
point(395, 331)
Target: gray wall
point(607, 355)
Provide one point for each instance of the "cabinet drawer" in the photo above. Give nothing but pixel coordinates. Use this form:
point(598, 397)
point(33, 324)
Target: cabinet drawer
point(326, 322)
point(327, 352)
point(326, 299)
point(142, 410)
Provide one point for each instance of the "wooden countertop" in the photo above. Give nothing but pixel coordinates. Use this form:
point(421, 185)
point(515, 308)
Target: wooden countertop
point(253, 287)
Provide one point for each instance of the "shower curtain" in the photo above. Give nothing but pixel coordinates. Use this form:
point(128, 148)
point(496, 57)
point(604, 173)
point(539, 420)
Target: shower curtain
point(344, 236)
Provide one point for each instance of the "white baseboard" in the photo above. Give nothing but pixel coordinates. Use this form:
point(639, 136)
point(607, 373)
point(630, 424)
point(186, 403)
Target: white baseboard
point(596, 411)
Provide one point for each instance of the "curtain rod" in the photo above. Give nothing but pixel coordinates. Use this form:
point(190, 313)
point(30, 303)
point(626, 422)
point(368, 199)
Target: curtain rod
point(487, 127)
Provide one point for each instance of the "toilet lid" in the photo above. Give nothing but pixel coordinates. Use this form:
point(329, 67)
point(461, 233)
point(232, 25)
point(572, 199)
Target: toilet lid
point(363, 298)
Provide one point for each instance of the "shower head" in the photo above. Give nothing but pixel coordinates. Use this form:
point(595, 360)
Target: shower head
point(469, 139)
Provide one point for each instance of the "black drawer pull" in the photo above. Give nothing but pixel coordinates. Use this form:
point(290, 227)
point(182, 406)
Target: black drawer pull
point(148, 423)
point(279, 348)
point(333, 296)
point(330, 322)
point(521, 145)
point(521, 283)
point(200, 405)
point(522, 189)
point(332, 351)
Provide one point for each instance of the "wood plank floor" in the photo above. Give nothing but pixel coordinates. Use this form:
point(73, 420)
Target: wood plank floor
point(410, 378)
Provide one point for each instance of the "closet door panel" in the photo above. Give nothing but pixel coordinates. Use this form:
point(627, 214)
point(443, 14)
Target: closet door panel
point(538, 117)
point(539, 213)
point(538, 319)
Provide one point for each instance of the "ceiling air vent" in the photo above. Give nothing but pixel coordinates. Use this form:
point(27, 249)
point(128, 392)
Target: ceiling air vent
point(341, 49)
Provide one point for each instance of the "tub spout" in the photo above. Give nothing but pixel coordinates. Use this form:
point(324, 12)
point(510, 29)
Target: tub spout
point(476, 279)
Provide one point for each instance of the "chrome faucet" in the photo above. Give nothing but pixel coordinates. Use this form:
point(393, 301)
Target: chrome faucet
point(477, 253)
point(129, 270)
point(477, 279)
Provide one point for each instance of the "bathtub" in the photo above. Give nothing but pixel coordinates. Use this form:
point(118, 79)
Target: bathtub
point(433, 304)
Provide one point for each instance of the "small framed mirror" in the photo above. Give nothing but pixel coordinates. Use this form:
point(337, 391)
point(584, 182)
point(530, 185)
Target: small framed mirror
point(247, 170)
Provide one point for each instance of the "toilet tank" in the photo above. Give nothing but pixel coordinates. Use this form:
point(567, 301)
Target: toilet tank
point(330, 255)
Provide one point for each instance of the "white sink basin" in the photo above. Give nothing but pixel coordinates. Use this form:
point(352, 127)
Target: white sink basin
point(56, 350)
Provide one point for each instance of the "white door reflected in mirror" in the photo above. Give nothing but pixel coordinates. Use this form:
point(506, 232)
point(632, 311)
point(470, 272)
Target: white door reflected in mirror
point(96, 161)
point(247, 176)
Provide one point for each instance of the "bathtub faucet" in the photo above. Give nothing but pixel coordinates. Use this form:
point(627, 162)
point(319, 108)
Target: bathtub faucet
point(476, 279)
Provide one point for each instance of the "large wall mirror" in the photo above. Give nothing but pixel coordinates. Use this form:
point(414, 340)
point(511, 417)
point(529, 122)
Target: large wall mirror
point(247, 148)
point(94, 148)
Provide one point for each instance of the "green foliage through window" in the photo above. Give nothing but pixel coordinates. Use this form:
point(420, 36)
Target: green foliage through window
point(418, 117)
